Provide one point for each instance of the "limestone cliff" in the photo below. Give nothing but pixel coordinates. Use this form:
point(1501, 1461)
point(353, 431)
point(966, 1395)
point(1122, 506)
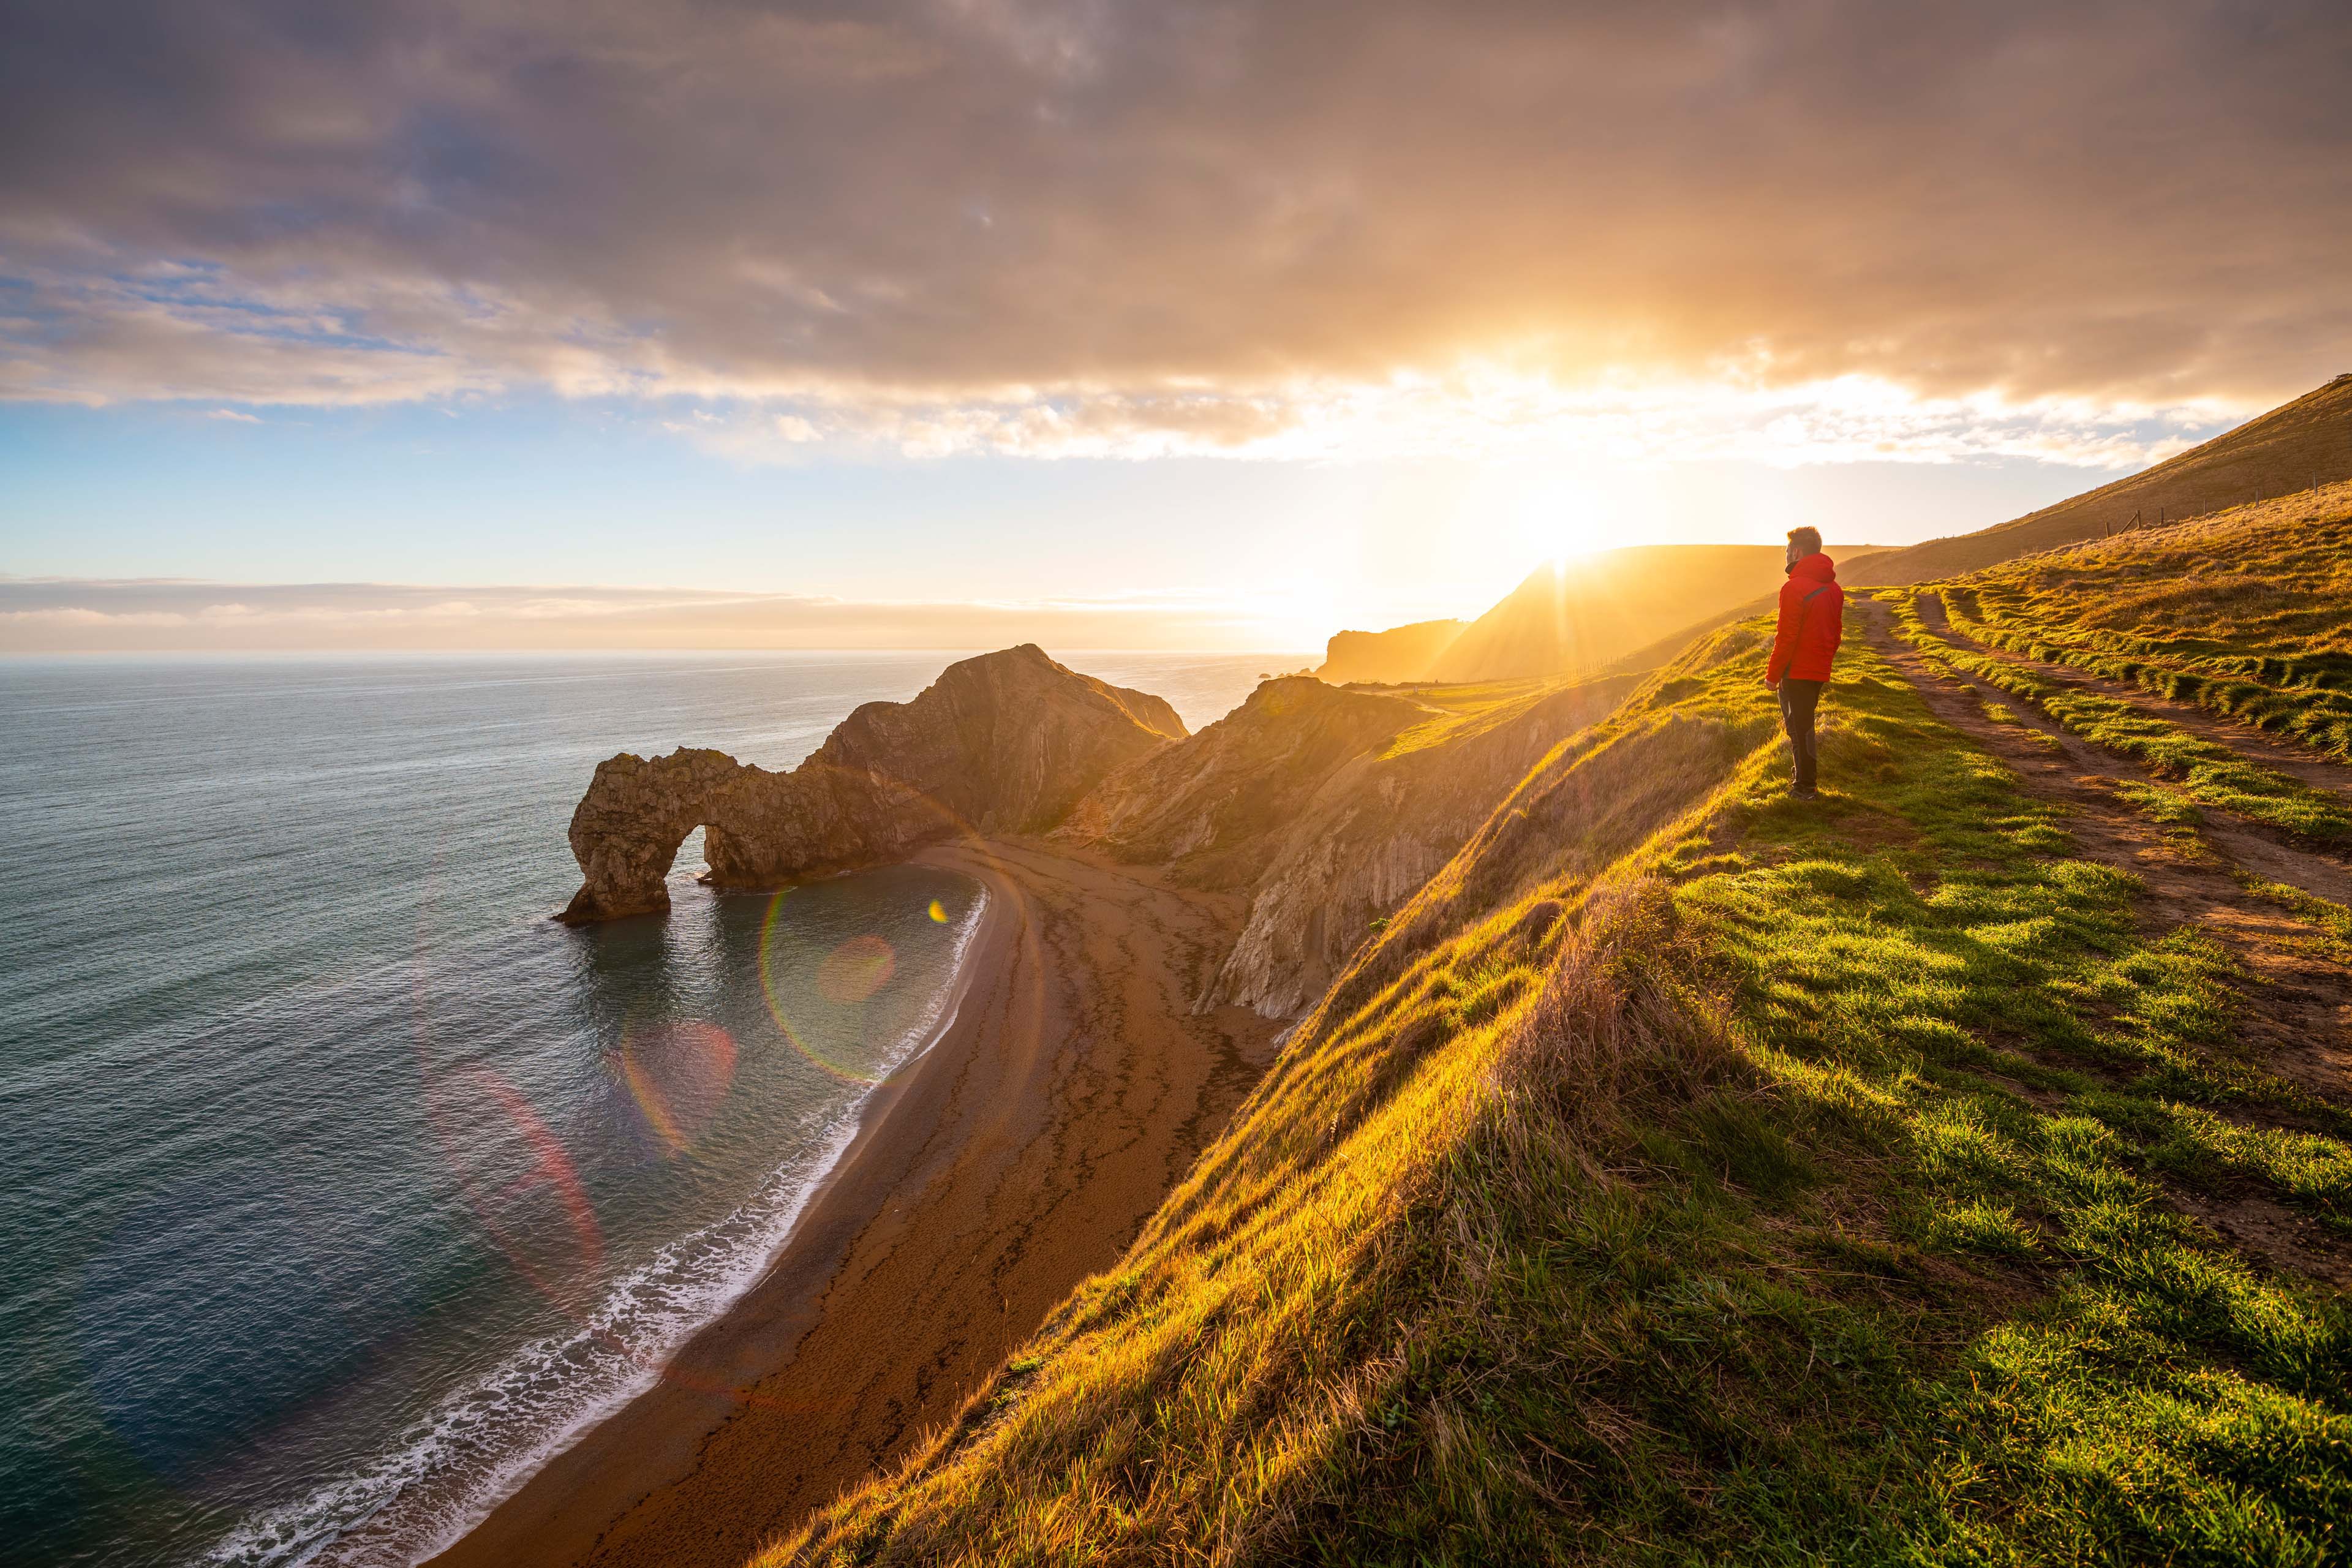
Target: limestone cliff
point(1379, 828)
point(1205, 807)
point(1004, 743)
point(1330, 806)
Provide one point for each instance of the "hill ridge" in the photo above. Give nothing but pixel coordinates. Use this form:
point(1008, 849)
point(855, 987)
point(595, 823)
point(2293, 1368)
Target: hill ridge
point(1956, 1170)
point(2302, 444)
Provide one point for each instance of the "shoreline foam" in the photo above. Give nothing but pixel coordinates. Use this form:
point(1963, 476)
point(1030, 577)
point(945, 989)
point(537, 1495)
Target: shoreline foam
point(1072, 1088)
point(360, 1518)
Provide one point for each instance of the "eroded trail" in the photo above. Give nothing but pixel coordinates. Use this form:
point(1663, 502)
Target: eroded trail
point(2280, 753)
point(2298, 1023)
point(1021, 1155)
point(2257, 847)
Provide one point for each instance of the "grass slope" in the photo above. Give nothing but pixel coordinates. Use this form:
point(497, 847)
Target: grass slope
point(2210, 774)
point(2248, 613)
point(2296, 447)
point(1688, 1177)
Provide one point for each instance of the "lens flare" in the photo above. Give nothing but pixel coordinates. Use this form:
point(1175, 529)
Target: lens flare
point(938, 911)
point(677, 1074)
point(770, 989)
point(824, 1003)
point(511, 1169)
point(855, 969)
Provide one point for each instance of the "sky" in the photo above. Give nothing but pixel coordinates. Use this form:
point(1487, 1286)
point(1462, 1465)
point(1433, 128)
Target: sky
point(951, 323)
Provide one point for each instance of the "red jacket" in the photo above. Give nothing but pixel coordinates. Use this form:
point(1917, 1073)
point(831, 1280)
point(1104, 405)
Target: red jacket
point(1813, 616)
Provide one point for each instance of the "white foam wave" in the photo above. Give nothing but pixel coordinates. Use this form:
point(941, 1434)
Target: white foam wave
point(444, 1473)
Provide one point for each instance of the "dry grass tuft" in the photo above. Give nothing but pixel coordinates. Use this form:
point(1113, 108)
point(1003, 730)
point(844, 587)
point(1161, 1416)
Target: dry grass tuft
point(1607, 1024)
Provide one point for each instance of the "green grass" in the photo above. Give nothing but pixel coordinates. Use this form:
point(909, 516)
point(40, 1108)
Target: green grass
point(2207, 772)
point(1726, 1179)
point(2245, 616)
point(1460, 712)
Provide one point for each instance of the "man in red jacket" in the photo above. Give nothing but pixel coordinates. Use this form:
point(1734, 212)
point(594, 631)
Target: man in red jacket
point(1813, 615)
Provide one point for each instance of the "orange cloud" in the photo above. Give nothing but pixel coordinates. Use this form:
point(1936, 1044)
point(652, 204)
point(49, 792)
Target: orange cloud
point(1059, 225)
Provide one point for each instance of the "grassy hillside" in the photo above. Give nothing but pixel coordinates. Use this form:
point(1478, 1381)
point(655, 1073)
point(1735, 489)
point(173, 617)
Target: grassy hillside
point(2293, 447)
point(1587, 614)
point(2248, 612)
point(1948, 1172)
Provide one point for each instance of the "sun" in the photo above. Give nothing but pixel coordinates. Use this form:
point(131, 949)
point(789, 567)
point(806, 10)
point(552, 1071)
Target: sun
point(1560, 516)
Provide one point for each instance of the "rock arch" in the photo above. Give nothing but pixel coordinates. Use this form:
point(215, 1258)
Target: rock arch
point(627, 828)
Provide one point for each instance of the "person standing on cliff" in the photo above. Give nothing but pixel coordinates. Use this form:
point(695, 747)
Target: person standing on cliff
point(1805, 645)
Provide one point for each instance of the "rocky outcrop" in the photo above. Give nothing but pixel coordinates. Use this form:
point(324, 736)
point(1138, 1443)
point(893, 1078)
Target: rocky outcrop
point(1004, 743)
point(1205, 807)
point(1377, 828)
point(1399, 654)
point(1329, 807)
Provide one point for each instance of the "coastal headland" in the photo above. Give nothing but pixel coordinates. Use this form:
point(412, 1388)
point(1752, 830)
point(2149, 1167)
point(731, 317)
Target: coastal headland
point(1022, 1152)
point(1160, 906)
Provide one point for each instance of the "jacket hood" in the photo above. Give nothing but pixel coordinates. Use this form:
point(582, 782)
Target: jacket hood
point(1817, 566)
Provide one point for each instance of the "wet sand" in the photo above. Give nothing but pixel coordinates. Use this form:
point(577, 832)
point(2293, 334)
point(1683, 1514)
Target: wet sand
point(1021, 1153)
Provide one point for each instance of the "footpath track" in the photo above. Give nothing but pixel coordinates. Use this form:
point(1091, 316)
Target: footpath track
point(2298, 1020)
point(2258, 848)
point(2280, 754)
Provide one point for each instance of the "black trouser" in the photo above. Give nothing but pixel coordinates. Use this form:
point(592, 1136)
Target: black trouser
point(1797, 700)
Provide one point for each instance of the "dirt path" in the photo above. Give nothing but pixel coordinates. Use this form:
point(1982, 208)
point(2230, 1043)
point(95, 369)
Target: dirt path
point(2257, 847)
point(1022, 1154)
point(2301, 1025)
point(2277, 752)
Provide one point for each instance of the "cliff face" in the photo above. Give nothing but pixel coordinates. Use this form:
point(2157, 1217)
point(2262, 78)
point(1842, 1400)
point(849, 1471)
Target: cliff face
point(1205, 807)
point(1330, 806)
point(1007, 741)
point(1399, 654)
point(1379, 828)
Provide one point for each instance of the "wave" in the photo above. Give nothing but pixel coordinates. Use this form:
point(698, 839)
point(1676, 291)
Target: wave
point(446, 1472)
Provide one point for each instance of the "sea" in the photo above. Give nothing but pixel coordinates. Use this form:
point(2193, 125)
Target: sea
point(340, 1186)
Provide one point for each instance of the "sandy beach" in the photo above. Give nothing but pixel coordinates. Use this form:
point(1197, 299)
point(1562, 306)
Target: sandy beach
point(1019, 1154)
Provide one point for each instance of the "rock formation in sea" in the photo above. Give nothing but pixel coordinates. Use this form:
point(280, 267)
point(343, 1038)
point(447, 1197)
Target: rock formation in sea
point(1325, 806)
point(1004, 743)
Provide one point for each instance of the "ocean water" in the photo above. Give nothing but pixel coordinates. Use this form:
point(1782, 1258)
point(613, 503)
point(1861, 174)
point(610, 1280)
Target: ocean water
point(340, 1186)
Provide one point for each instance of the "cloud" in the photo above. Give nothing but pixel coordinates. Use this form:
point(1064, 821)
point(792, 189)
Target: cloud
point(233, 414)
point(73, 616)
point(1062, 226)
point(1486, 411)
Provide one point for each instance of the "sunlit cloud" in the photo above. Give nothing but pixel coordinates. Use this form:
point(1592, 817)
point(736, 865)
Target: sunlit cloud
point(1796, 231)
point(1476, 412)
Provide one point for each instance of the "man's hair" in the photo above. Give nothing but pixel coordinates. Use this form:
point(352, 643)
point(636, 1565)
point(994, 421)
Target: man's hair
point(1809, 540)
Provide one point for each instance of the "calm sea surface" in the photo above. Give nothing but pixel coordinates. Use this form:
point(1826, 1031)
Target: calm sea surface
point(340, 1185)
